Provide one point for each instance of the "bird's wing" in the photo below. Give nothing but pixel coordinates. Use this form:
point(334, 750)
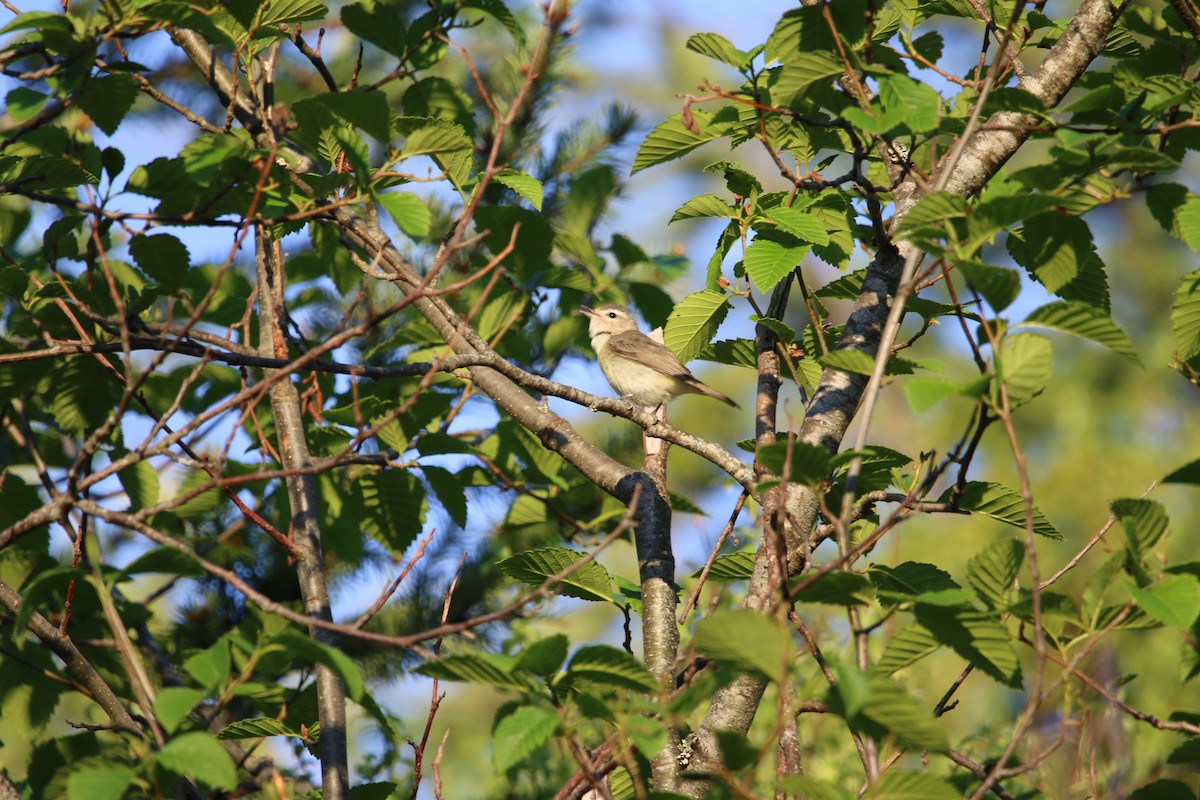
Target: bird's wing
point(641, 348)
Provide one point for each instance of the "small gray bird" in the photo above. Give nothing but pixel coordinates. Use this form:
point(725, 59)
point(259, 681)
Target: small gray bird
point(638, 368)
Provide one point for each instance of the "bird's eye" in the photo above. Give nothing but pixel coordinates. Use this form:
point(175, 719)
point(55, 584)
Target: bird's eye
point(612, 315)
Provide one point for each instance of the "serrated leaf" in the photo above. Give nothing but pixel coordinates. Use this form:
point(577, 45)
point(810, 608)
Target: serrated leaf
point(992, 571)
point(768, 262)
point(736, 566)
point(611, 666)
point(522, 733)
point(1145, 521)
point(746, 640)
point(694, 322)
point(802, 462)
point(975, 636)
point(163, 257)
point(801, 224)
point(1185, 315)
point(838, 589)
point(1173, 601)
point(474, 668)
point(1003, 504)
point(409, 212)
point(781, 329)
point(525, 185)
point(906, 648)
point(909, 579)
point(717, 47)
point(705, 205)
point(918, 102)
point(366, 110)
point(672, 139)
point(198, 755)
point(801, 71)
point(532, 567)
point(851, 359)
point(107, 100)
point(900, 785)
point(441, 136)
point(889, 710)
point(1025, 364)
point(395, 504)
point(1086, 321)
point(255, 728)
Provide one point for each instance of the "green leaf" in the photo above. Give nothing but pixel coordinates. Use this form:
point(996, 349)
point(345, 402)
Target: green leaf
point(736, 566)
point(368, 111)
point(475, 668)
point(924, 392)
point(99, 783)
point(1185, 316)
point(612, 666)
point(210, 668)
point(890, 710)
point(900, 785)
point(163, 257)
point(801, 71)
point(275, 12)
point(107, 100)
point(838, 589)
point(174, 703)
point(522, 733)
point(435, 136)
point(309, 651)
point(992, 571)
point(746, 640)
point(1003, 504)
point(918, 102)
point(23, 104)
point(1057, 249)
point(532, 567)
point(1173, 601)
point(382, 25)
point(450, 492)
point(768, 262)
point(199, 756)
point(804, 225)
point(525, 185)
point(694, 322)
point(803, 462)
point(395, 504)
point(1024, 364)
point(909, 579)
point(409, 212)
point(1086, 321)
point(717, 47)
point(705, 205)
point(997, 285)
point(906, 648)
point(255, 728)
point(851, 359)
point(1145, 521)
point(168, 560)
point(672, 139)
point(1188, 473)
point(975, 636)
point(544, 656)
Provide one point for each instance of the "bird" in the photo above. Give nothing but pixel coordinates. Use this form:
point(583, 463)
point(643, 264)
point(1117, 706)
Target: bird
point(638, 368)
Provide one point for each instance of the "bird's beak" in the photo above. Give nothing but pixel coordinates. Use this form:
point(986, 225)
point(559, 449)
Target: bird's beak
point(587, 312)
